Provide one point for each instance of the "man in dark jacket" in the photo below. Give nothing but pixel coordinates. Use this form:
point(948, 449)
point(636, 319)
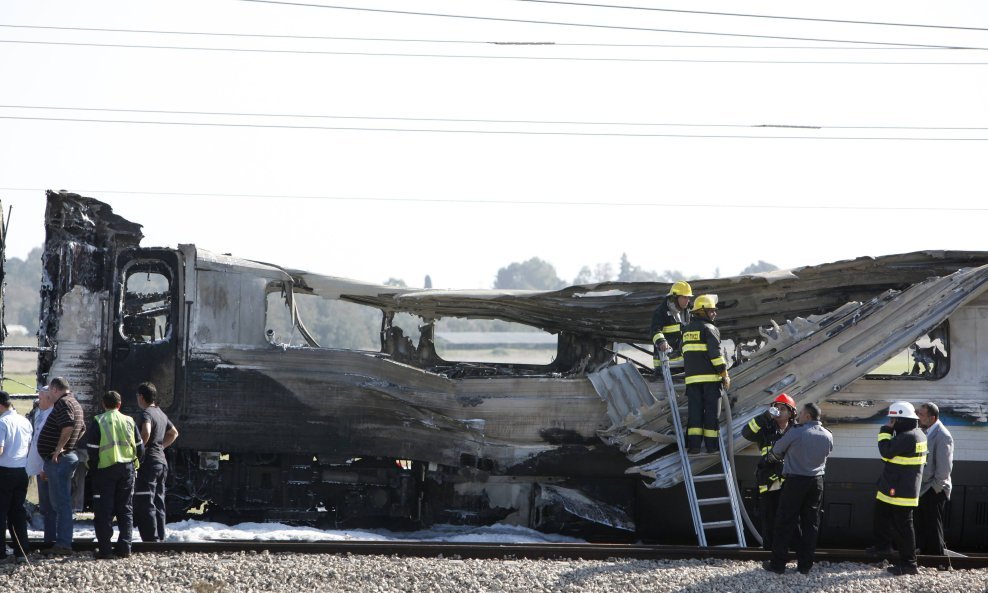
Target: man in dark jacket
point(668, 320)
point(765, 429)
point(706, 375)
point(902, 446)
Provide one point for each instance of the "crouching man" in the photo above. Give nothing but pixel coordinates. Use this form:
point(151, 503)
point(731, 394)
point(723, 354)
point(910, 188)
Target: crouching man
point(114, 449)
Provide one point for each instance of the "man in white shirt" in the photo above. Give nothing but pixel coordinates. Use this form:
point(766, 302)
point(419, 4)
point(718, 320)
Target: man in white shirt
point(15, 441)
point(36, 465)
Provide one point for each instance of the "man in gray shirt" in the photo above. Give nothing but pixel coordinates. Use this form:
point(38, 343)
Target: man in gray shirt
point(805, 448)
point(934, 491)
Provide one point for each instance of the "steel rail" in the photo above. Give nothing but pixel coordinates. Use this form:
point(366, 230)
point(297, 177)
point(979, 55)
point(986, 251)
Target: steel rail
point(546, 551)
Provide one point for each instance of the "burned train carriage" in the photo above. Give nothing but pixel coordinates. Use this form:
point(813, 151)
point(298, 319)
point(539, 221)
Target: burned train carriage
point(276, 425)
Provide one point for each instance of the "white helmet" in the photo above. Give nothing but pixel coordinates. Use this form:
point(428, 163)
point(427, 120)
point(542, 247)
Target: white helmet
point(902, 410)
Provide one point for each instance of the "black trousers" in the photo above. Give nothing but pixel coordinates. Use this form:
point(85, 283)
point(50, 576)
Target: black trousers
point(113, 488)
point(149, 501)
point(13, 490)
point(703, 401)
point(768, 505)
point(894, 525)
point(930, 515)
point(799, 505)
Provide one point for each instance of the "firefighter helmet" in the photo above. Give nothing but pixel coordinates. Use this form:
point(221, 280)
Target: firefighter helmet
point(903, 410)
point(782, 398)
point(705, 301)
point(681, 288)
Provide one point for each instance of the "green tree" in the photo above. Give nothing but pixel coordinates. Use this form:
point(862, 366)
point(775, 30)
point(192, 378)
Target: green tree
point(22, 291)
point(534, 274)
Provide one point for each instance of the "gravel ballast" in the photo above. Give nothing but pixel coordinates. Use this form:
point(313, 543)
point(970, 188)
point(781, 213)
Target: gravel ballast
point(243, 572)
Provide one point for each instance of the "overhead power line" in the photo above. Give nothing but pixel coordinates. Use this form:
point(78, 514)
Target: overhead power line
point(754, 16)
point(473, 42)
point(589, 25)
point(453, 131)
point(492, 57)
point(517, 202)
point(495, 121)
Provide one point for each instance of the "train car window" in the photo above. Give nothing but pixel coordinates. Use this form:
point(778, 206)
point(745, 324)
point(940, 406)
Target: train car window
point(926, 359)
point(493, 341)
point(147, 303)
point(333, 323)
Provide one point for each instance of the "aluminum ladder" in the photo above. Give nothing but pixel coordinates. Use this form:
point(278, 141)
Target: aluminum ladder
point(733, 497)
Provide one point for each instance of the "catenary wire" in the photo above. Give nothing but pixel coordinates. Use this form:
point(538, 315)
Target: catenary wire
point(590, 25)
point(755, 16)
point(520, 202)
point(476, 42)
point(493, 121)
point(488, 132)
point(493, 57)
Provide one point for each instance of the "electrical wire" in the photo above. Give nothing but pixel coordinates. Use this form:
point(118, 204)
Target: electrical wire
point(590, 25)
point(755, 16)
point(493, 121)
point(518, 132)
point(493, 57)
point(732, 205)
point(473, 42)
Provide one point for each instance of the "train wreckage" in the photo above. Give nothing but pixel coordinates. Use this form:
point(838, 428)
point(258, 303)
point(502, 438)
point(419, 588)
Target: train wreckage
point(275, 426)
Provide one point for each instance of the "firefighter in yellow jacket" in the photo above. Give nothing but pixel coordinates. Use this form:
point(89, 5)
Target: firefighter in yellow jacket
point(115, 448)
point(902, 446)
point(706, 375)
point(668, 320)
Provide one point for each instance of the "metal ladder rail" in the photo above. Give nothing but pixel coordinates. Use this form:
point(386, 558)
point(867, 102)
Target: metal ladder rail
point(733, 497)
point(678, 429)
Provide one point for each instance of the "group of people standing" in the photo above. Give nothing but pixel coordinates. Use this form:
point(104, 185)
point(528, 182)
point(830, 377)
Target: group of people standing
point(53, 441)
point(915, 447)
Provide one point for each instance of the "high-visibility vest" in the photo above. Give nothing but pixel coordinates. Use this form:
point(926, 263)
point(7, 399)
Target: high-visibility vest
point(702, 359)
point(117, 443)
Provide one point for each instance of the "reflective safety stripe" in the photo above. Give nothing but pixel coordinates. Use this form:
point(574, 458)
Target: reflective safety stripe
point(762, 489)
point(921, 447)
point(92, 446)
point(901, 502)
point(703, 379)
point(906, 460)
point(754, 425)
point(658, 337)
point(766, 449)
point(677, 359)
point(717, 361)
point(148, 493)
point(673, 329)
point(884, 436)
point(710, 433)
point(694, 347)
point(694, 431)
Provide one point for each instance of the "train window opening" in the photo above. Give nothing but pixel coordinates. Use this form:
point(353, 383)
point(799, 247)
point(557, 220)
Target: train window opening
point(146, 303)
point(483, 341)
point(331, 323)
point(926, 359)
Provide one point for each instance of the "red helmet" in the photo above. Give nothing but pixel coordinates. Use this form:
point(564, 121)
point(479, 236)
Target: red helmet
point(782, 398)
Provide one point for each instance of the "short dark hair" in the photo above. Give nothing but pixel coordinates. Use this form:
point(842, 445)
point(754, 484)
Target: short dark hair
point(4, 399)
point(813, 410)
point(932, 409)
point(111, 399)
point(148, 391)
point(60, 383)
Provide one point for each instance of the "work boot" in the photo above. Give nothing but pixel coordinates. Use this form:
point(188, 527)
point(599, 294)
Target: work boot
point(767, 565)
point(902, 570)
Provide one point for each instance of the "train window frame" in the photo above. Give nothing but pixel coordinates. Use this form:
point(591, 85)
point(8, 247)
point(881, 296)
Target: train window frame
point(127, 327)
point(921, 369)
point(277, 293)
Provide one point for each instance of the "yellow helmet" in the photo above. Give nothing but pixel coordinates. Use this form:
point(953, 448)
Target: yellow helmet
point(705, 301)
point(681, 288)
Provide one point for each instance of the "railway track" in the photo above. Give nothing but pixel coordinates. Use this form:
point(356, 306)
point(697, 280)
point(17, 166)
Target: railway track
point(575, 551)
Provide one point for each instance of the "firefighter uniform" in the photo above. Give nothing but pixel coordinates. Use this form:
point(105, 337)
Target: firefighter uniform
point(115, 447)
point(903, 454)
point(764, 431)
point(705, 369)
point(667, 326)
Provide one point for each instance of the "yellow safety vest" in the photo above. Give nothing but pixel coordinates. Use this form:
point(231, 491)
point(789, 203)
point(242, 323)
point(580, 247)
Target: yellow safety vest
point(116, 441)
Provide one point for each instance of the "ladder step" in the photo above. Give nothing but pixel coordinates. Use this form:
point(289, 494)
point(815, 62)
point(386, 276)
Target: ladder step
point(718, 500)
point(718, 524)
point(730, 546)
point(710, 478)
